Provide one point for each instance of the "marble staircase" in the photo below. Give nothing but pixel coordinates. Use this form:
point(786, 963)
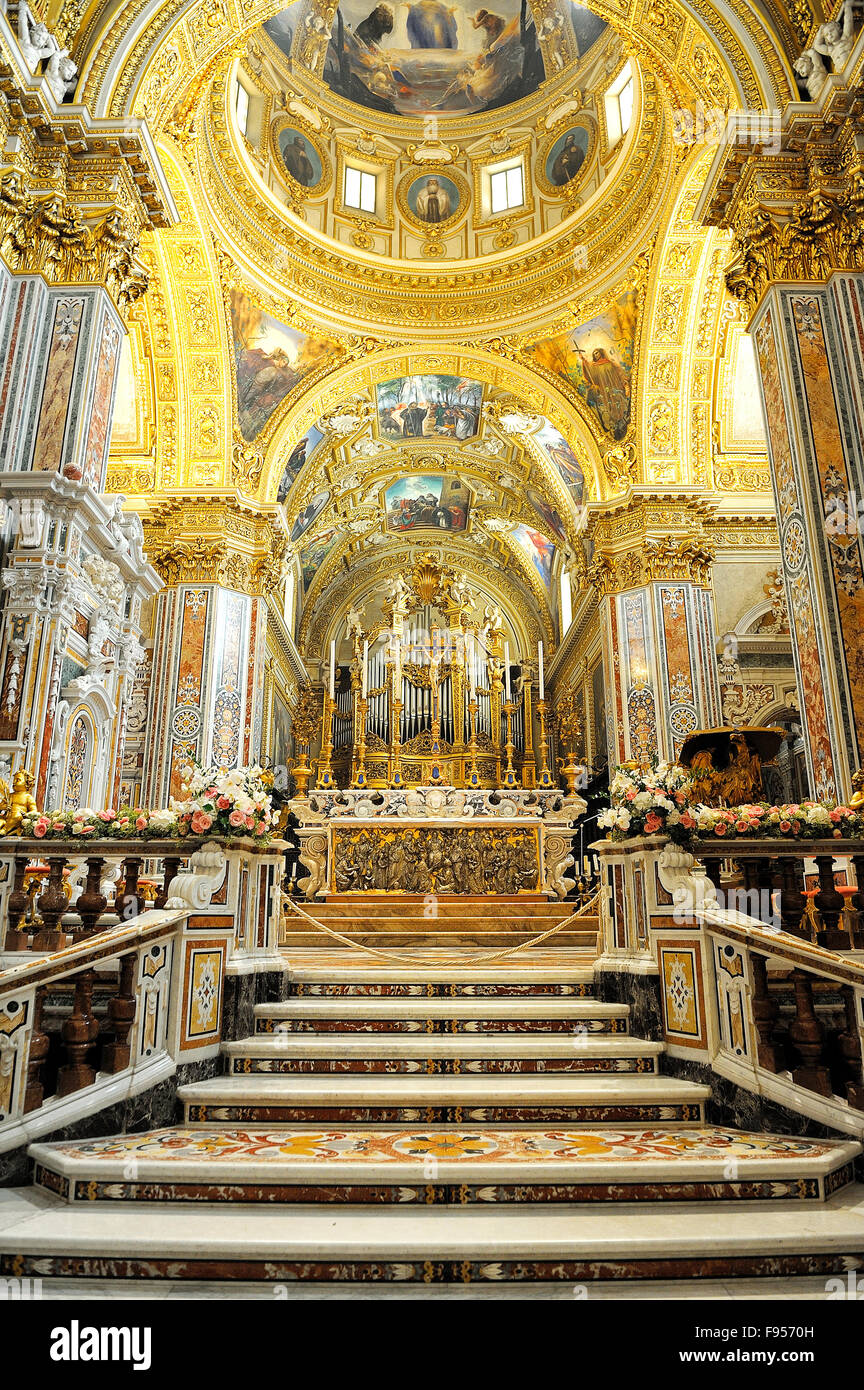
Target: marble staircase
point(439, 1123)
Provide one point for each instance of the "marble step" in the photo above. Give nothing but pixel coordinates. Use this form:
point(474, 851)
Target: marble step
point(444, 1164)
point(440, 1016)
point(443, 1099)
point(456, 905)
point(478, 938)
point(441, 1053)
point(341, 974)
point(43, 1236)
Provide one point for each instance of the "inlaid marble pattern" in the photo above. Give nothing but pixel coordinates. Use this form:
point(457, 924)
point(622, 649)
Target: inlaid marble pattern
point(553, 1113)
point(437, 1066)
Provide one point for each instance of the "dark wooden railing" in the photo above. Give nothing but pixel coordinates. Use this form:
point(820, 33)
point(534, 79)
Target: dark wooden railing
point(767, 878)
point(42, 912)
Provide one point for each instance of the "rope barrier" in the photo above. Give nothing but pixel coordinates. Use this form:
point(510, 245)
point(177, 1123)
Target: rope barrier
point(484, 958)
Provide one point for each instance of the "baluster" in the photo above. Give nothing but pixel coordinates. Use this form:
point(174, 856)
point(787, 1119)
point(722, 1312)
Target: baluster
point(830, 903)
point(792, 900)
point(170, 868)
point(808, 1035)
point(126, 904)
point(39, 1044)
point(52, 903)
point(16, 938)
point(765, 1010)
point(78, 1033)
point(850, 1050)
point(92, 902)
point(121, 1016)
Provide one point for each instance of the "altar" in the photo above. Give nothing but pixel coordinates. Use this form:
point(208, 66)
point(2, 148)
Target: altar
point(437, 841)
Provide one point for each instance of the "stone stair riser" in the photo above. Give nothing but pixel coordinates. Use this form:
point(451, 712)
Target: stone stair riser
point(574, 1025)
point(302, 989)
point(339, 1114)
point(438, 1066)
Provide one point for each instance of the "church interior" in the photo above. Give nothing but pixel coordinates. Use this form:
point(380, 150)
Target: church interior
point(432, 648)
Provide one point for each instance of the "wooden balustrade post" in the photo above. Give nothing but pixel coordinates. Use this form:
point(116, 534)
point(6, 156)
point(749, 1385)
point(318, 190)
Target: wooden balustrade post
point(829, 903)
point(768, 1052)
point(128, 903)
point(78, 1033)
point(121, 1016)
point(39, 1044)
point(52, 903)
point(170, 868)
point(92, 902)
point(791, 901)
point(808, 1035)
point(16, 939)
point(850, 1050)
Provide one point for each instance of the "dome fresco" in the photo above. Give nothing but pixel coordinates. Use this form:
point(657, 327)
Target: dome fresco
point(427, 58)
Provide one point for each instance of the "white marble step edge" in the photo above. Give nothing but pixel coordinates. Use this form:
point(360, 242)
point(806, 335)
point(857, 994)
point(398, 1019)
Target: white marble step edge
point(370, 1007)
point(441, 974)
point(480, 1091)
point(407, 1169)
point(34, 1223)
point(594, 1045)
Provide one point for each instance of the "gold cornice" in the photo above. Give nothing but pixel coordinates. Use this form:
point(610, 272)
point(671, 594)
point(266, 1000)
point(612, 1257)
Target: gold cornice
point(216, 540)
point(688, 560)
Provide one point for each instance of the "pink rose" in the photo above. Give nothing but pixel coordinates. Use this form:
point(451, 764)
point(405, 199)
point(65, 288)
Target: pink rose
point(720, 828)
point(260, 828)
point(39, 829)
point(105, 815)
point(630, 796)
point(213, 791)
point(652, 823)
point(835, 815)
point(201, 822)
point(141, 823)
point(236, 819)
point(785, 827)
point(59, 825)
point(742, 826)
point(250, 821)
point(223, 802)
point(688, 821)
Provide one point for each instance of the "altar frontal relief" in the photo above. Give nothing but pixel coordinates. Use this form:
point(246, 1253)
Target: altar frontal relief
point(450, 859)
point(429, 407)
point(439, 503)
point(423, 57)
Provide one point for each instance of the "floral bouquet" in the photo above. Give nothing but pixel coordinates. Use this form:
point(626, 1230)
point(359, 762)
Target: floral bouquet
point(220, 802)
point(126, 824)
point(807, 820)
point(650, 801)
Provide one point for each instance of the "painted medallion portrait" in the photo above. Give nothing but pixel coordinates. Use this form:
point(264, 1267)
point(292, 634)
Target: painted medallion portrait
point(301, 158)
point(567, 155)
point(433, 199)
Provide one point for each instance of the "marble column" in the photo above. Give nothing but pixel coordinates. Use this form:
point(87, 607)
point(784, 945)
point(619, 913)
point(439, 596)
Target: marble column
point(207, 684)
point(657, 621)
point(810, 348)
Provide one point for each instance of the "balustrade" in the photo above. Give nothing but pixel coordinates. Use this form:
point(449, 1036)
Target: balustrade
point(60, 894)
point(767, 879)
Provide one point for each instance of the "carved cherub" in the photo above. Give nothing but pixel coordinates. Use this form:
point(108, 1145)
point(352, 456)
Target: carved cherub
point(15, 210)
point(17, 803)
point(812, 71)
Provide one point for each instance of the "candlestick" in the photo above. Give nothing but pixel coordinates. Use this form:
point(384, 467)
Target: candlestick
point(509, 779)
point(507, 672)
point(365, 679)
point(540, 670)
point(333, 669)
point(472, 670)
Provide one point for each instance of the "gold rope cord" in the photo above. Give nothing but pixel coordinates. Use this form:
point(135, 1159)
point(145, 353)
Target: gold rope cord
point(483, 958)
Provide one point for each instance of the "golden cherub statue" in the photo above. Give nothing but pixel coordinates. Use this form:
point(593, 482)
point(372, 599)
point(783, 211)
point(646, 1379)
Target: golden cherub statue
point(856, 800)
point(17, 803)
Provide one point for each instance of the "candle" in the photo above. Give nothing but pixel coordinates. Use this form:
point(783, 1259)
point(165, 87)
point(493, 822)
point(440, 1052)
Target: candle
point(507, 672)
point(540, 669)
point(365, 668)
point(472, 674)
point(333, 669)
